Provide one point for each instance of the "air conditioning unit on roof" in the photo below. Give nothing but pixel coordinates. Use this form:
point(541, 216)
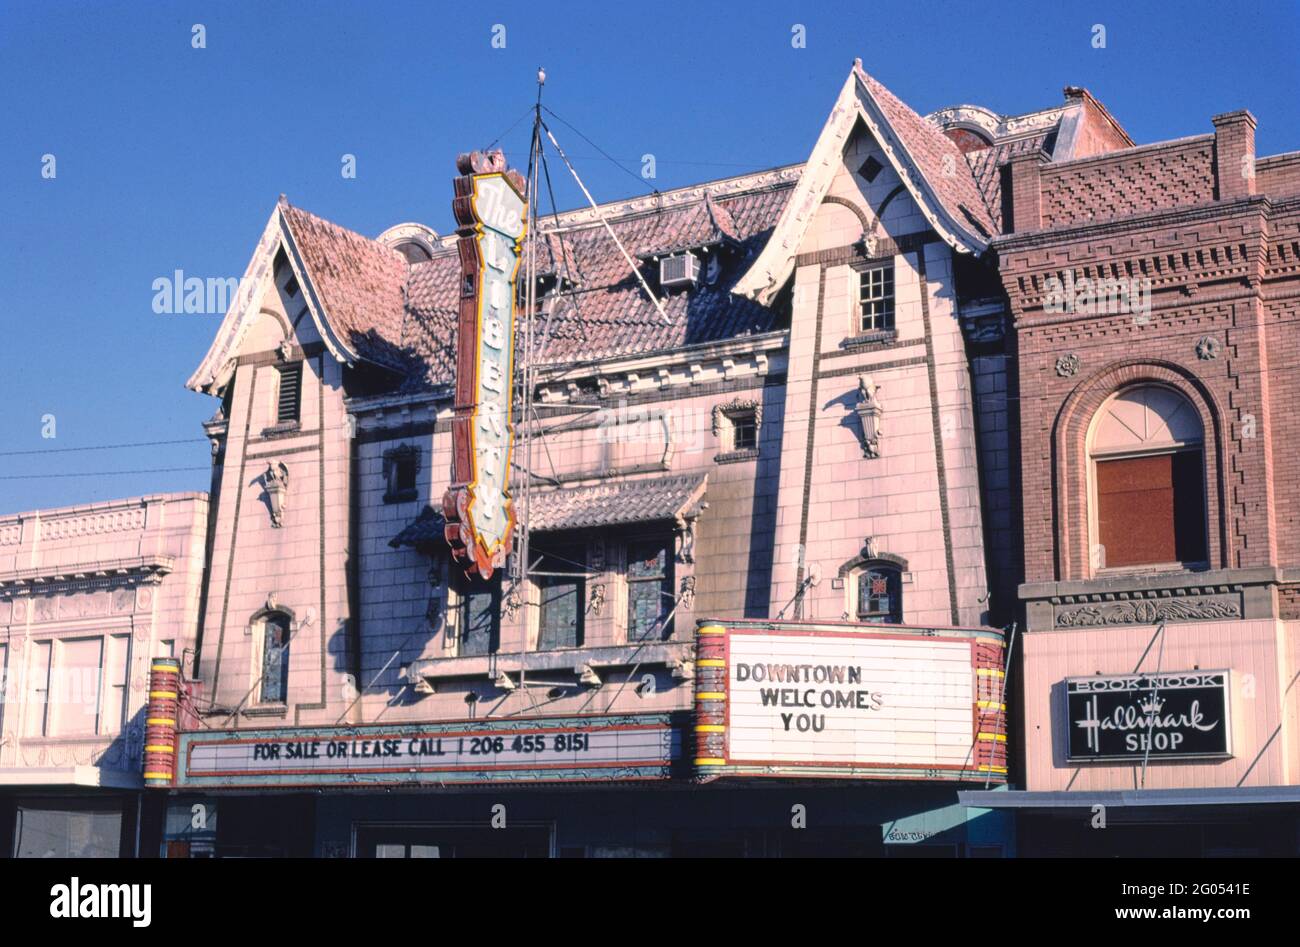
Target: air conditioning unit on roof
point(683, 270)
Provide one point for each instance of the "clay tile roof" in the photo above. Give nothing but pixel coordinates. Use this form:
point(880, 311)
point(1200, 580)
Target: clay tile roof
point(611, 504)
point(933, 153)
point(986, 165)
point(428, 527)
point(608, 313)
point(360, 284)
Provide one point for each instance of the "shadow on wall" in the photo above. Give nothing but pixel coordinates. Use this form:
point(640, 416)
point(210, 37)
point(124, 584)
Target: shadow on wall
point(762, 526)
point(125, 753)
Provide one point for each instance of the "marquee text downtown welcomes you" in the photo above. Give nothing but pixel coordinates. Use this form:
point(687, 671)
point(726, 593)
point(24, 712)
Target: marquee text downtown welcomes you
point(840, 695)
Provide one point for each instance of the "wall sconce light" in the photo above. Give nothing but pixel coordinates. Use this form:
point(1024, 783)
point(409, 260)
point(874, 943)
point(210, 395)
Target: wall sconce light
point(870, 413)
point(276, 484)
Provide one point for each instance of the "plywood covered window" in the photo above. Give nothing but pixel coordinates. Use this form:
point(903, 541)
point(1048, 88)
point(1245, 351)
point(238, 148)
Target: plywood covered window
point(1148, 481)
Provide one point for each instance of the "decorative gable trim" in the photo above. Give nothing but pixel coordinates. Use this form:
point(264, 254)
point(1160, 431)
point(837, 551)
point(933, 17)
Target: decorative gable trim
point(219, 362)
point(774, 265)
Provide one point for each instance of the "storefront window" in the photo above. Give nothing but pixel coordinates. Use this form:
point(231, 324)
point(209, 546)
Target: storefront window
point(90, 831)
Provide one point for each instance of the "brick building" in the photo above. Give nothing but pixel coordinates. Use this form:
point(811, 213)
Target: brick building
point(1155, 291)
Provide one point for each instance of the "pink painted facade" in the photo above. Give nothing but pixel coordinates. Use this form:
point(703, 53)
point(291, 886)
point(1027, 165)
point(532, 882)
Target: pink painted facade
point(88, 594)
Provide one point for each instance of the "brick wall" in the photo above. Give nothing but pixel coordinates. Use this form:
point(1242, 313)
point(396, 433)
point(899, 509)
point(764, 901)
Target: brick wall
point(1124, 183)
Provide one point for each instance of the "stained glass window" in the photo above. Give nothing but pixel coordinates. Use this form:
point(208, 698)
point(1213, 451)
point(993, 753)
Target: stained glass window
point(275, 659)
point(880, 595)
point(649, 590)
point(562, 583)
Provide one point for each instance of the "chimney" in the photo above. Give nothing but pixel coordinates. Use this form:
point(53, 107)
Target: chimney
point(1234, 154)
point(1026, 204)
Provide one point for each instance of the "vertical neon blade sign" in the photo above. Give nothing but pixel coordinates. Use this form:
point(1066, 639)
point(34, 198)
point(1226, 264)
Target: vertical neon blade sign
point(490, 207)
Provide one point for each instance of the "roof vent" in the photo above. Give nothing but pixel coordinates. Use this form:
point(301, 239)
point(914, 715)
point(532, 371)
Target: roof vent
point(677, 271)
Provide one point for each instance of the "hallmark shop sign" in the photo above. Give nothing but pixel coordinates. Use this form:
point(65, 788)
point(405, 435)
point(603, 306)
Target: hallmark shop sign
point(633, 746)
point(861, 700)
point(1137, 716)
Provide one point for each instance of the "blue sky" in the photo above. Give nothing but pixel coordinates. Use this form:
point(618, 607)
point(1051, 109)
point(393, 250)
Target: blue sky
point(170, 157)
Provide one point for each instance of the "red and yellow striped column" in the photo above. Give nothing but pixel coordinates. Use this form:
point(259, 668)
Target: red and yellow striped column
point(990, 710)
point(710, 698)
point(160, 721)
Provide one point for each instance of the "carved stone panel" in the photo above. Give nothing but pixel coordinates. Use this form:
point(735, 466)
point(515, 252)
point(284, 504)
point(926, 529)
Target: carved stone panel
point(1149, 611)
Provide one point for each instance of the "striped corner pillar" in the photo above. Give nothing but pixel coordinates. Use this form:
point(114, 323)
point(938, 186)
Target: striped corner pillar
point(160, 721)
point(990, 710)
point(710, 698)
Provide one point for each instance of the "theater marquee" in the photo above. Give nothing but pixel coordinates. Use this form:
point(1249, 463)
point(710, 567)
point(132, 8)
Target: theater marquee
point(879, 701)
point(543, 749)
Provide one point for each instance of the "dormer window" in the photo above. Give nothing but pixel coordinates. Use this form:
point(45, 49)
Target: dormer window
point(289, 397)
point(876, 299)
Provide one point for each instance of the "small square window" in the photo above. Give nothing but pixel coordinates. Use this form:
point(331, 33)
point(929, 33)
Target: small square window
point(870, 168)
point(744, 431)
point(401, 467)
point(876, 299)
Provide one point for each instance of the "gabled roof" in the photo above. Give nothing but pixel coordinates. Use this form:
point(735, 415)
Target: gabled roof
point(920, 153)
point(354, 288)
point(360, 284)
point(371, 304)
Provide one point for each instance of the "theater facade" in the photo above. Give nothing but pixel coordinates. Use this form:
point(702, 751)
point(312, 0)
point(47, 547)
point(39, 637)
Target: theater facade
point(795, 438)
point(819, 522)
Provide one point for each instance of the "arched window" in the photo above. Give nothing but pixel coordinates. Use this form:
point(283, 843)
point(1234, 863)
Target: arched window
point(880, 594)
point(273, 686)
point(1148, 481)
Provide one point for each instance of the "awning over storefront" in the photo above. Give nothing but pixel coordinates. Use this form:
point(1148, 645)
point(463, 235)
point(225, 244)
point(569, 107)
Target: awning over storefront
point(1133, 798)
point(586, 507)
